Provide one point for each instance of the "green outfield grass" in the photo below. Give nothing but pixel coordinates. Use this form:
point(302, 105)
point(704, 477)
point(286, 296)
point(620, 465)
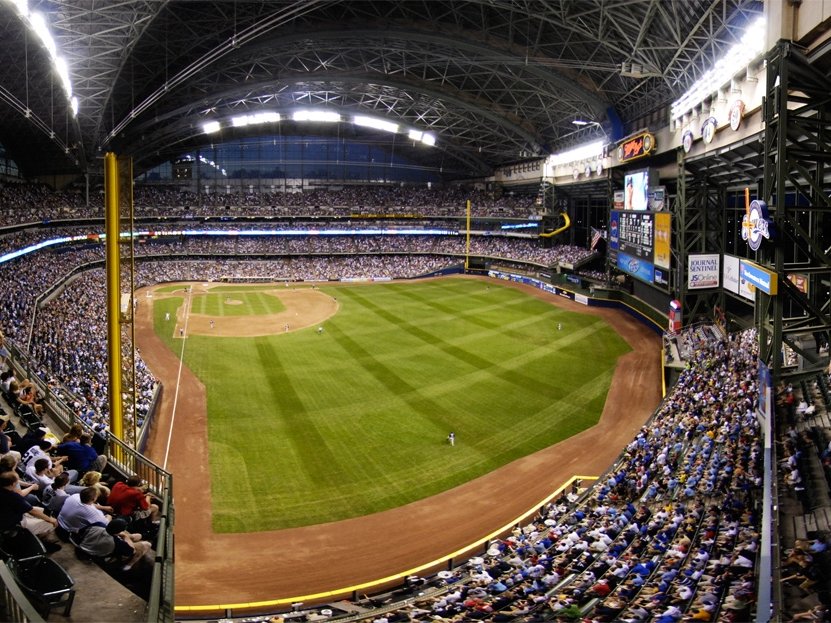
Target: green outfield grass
point(306, 428)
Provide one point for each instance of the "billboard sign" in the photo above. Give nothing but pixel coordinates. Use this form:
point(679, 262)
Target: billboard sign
point(703, 271)
point(730, 273)
point(758, 277)
point(636, 267)
point(662, 240)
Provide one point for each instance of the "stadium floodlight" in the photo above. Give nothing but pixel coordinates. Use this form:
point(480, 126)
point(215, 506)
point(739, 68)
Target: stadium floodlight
point(211, 127)
point(36, 22)
point(213, 164)
point(376, 124)
point(62, 70)
point(324, 116)
point(583, 122)
point(255, 119)
point(736, 59)
point(584, 152)
point(73, 104)
point(39, 27)
point(422, 137)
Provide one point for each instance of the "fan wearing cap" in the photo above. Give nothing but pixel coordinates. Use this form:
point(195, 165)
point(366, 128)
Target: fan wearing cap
point(103, 540)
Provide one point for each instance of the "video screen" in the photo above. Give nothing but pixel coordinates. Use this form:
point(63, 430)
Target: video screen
point(636, 190)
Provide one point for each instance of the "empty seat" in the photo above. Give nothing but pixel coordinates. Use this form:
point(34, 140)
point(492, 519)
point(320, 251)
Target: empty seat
point(45, 583)
point(20, 544)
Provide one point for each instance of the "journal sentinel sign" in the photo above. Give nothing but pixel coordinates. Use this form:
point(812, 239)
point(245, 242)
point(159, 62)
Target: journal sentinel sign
point(758, 277)
point(703, 271)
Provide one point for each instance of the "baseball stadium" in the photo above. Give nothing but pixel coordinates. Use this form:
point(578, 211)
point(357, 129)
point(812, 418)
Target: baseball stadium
point(415, 311)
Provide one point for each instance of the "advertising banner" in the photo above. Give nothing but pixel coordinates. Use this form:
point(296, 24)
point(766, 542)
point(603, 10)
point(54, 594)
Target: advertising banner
point(730, 273)
point(759, 277)
point(800, 281)
point(746, 289)
point(639, 268)
point(614, 234)
point(703, 271)
point(662, 240)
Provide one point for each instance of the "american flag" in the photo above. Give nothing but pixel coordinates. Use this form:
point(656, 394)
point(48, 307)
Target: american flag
point(597, 234)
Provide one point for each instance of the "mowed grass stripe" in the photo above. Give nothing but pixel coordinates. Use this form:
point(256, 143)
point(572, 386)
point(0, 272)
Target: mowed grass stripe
point(517, 379)
point(308, 428)
point(310, 447)
point(394, 383)
point(475, 317)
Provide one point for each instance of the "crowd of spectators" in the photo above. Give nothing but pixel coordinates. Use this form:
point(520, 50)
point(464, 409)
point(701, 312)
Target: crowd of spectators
point(27, 203)
point(24, 203)
point(345, 201)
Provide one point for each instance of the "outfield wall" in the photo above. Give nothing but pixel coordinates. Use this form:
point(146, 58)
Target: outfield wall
point(646, 314)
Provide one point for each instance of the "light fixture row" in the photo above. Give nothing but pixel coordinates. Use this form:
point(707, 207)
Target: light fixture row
point(735, 60)
point(37, 23)
point(318, 116)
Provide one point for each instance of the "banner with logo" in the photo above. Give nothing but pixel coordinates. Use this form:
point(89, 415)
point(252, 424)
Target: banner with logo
point(730, 273)
point(759, 276)
point(662, 240)
point(703, 271)
point(756, 224)
point(614, 235)
point(641, 269)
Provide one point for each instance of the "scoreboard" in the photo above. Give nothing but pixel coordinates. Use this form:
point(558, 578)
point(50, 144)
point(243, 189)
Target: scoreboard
point(635, 233)
point(632, 237)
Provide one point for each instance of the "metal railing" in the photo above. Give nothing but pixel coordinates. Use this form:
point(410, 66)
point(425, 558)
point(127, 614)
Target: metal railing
point(14, 606)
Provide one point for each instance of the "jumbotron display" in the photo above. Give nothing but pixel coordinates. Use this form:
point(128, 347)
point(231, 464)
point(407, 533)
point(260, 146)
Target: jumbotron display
point(639, 244)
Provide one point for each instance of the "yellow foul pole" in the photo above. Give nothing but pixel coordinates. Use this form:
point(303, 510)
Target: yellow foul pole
point(111, 215)
point(467, 238)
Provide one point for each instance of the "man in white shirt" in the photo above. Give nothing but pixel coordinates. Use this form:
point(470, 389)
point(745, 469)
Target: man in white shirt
point(80, 510)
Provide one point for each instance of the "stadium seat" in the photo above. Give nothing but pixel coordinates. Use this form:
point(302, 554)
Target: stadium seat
point(45, 582)
point(28, 417)
point(20, 545)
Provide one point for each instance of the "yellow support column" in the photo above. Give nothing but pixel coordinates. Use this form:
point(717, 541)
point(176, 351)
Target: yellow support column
point(112, 228)
point(467, 239)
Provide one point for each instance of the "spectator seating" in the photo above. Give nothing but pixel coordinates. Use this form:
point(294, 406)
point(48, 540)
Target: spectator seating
point(45, 582)
point(20, 545)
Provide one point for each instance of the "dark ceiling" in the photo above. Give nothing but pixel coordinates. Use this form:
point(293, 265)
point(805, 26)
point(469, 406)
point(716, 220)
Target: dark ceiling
point(496, 81)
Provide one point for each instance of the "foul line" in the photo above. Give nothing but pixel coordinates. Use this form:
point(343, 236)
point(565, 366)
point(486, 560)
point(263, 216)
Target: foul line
point(178, 379)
